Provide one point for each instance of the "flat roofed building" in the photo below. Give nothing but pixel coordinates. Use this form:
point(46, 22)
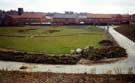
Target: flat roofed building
point(66, 18)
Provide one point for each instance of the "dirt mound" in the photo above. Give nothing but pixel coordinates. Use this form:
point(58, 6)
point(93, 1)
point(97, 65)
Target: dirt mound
point(25, 30)
point(106, 43)
point(53, 31)
point(23, 77)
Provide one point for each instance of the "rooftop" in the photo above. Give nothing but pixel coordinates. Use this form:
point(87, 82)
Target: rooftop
point(60, 15)
point(90, 15)
point(28, 15)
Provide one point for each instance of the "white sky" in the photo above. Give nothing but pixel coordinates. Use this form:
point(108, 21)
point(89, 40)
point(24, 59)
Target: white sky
point(92, 6)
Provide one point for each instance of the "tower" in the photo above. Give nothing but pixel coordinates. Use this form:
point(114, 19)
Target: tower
point(20, 11)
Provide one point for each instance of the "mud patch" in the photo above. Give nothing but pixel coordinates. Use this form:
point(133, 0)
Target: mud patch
point(106, 43)
point(23, 67)
point(25, 30)
point(53, 31)
point(23, 77)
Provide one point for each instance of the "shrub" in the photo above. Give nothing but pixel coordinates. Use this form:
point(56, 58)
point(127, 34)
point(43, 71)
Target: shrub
point(38, 58)
point(107, 52)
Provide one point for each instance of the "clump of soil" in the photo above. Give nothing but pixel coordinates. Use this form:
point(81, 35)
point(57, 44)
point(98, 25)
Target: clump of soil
point(23, 77)
point(23, 67)
point(25, 30)
point(106, 43)
point(53, 31)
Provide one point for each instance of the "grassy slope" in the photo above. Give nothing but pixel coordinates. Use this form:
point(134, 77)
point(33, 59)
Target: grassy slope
point(51, 42)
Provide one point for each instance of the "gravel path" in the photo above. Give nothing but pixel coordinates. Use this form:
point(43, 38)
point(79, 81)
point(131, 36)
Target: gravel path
point(124, 66)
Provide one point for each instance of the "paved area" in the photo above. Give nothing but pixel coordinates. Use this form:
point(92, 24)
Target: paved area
point(124, 66)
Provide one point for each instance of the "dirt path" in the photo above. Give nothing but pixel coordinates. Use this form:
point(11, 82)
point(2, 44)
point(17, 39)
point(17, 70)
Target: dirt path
point(124, 66)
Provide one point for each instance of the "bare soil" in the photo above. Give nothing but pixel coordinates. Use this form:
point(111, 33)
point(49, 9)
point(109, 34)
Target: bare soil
point(128, 31)
point(21, 77)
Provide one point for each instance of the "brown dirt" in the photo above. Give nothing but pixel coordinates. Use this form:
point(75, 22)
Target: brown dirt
point(103, 61)
point(106, 43)
point(21, 77)
point(127, 30)
point(25, 30)
point(53, 31)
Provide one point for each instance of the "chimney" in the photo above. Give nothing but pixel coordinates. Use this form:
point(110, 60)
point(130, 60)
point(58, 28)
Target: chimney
point(20, 11)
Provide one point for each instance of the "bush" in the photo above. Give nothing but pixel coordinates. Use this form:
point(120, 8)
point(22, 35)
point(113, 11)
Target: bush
point(107, 52)
point(38, 58)
point(115, 52)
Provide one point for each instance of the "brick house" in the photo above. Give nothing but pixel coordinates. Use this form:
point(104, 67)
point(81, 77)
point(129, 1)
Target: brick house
point(125, 18)
point(116, 19)
point(25, 18)
point(103, 19)
point(132, 19)
point(82, 18)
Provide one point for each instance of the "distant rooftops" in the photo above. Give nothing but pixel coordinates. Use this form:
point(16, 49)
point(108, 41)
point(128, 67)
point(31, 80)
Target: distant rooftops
point(90, 15)
point(66, 15)
point(87, 15)
point(28, 15)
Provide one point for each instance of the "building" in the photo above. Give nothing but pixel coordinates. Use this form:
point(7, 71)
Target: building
point(125, 19)
point(20, 17)
point(4, 14)
point(82, 18)
point(103, 19)
point(20, 11)
point(67, 18)
point(26, 19)
point(1, 17)
point(116, 19)
point(132, 19)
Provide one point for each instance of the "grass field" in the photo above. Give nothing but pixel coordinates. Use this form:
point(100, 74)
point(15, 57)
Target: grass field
point(47, 39)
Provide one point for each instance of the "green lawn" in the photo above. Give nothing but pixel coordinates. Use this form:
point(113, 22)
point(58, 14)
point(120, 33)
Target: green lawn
point(58, 40)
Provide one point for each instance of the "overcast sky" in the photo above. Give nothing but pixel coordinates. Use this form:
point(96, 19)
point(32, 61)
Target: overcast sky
point(92, 6)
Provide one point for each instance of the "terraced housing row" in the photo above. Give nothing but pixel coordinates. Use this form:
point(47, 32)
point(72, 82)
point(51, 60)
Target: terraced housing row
point(68, 18)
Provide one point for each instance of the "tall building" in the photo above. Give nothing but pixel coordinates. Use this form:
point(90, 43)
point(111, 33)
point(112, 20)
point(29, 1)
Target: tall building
point(20, 11)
